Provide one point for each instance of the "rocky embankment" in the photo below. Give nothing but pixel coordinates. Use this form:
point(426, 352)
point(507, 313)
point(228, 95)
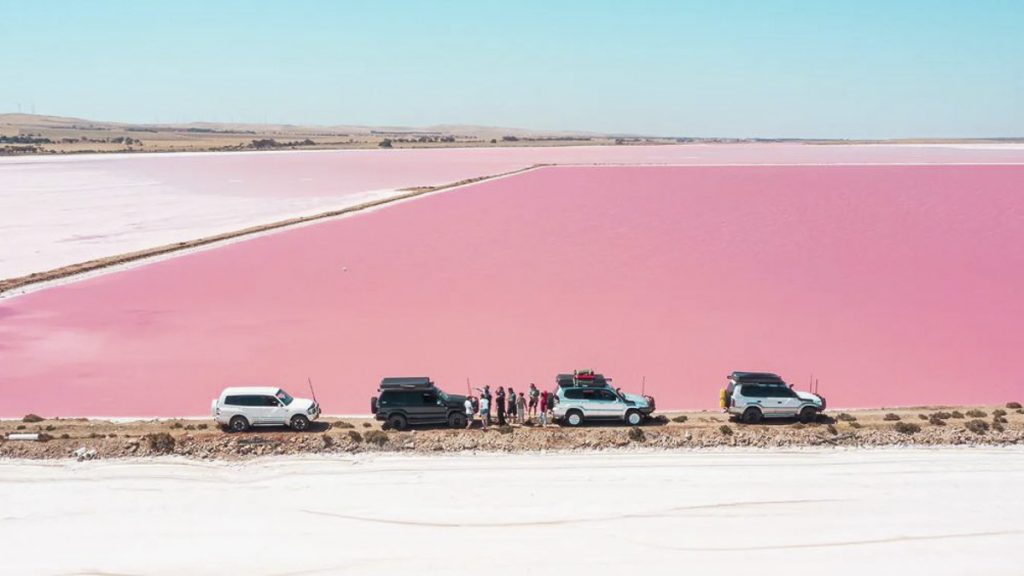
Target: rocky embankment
point(932, 426)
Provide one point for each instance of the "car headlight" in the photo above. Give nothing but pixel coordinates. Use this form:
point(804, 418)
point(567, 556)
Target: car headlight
point(311, 410)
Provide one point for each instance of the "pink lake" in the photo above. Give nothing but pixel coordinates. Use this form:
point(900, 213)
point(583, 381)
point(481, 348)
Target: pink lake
point(893, 285)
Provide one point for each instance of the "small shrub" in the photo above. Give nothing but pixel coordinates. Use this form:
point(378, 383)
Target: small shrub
point(367, 425)
point(50, 428)
point(681, 418)
point(111, 435)
point(832, 430)
point(342, 425)
point(999, 413)
point(176, 425)
point(44, 437)
point(202, 426)
point(95, 435)
point(355, 436)
point(976, 414)
point(725, 429)
point(328, 441)
point(999, 419)
point(936, 421)
point(890, 417)
point(659, 419)
point(998, 427)
point(190, 427)
point(159, 442)
point(636, 434)
point(907, 428)
point(1014, 405)
point(956, 415)
point(856, 425)
point(506, 429)
point(941, 415)
point(922, 416)
point(32, 418)
point(376, 437)
point(844, 417)
point(977, 426)
point(64, 436)
point(1021, 411)
point(19, 427)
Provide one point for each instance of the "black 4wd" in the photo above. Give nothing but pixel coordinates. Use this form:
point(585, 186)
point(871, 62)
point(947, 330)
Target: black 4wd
point(404, 402)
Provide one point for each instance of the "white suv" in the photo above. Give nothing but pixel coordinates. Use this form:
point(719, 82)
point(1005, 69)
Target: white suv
point(241, 408)
point(578, 403)
point(753, 396)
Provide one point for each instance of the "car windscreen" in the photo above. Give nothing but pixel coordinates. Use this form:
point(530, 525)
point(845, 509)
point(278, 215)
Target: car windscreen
point(284, 397)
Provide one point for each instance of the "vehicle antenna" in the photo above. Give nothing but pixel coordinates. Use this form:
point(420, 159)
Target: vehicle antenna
point(643, 386)
point(815, 385)
point(311, 391)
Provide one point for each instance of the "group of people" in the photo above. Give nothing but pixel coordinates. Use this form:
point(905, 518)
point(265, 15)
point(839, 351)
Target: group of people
point(509, 407)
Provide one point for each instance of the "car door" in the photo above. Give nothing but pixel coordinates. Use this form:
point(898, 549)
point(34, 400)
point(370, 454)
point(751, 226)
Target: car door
point(607, 404)
point(426, 409)
point(256, 409)
point(276, 413)
point(755, 395)
point(788, 402)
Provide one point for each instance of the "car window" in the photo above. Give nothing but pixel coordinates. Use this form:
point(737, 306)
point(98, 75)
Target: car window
point(605, 395)
point(429, 399)
point(232, 401)
point(270, 401)
point(399, 398)
point(574, 394)
point(753, 391)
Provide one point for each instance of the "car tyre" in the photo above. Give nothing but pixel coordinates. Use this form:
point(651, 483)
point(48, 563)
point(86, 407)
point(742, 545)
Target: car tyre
point(574, 418)
point(456, 420)
point(299, 422)
point(808, 414)
point(752, 416)
point(238, 424)
point(634, 418)
point(397, 422)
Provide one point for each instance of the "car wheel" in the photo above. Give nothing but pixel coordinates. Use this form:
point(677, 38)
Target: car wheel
point(752, 416)
point(574, 418)
point(808, 414)
point(397, 422)
point(456, 420)
point(238, 424)
point(634, 418)
point(299, 422)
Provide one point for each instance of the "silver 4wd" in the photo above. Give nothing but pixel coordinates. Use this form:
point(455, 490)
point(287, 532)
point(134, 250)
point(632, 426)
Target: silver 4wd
point(577, 404)
point(753, 396)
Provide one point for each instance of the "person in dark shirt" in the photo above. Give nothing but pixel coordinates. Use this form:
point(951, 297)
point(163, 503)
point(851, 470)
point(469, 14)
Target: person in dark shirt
point(512, 412)
point(499, 403)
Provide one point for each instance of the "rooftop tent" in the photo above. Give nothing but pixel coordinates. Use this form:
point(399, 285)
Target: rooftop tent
point(766, 377)
point(406, 382)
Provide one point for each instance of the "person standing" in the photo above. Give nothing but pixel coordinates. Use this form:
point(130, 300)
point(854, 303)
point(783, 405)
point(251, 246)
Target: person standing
point(485, 411)
point(468, 404)
point(544, 408)
point(521, 408)
point(534, 398)
point(512, 412)
point(499, 404)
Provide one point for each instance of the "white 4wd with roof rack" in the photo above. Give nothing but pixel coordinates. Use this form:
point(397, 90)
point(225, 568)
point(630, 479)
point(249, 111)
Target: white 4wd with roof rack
point(753, 396)
point(241, 408)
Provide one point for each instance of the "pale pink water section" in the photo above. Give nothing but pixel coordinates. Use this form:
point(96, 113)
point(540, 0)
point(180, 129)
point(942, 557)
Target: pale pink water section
point(891, 284)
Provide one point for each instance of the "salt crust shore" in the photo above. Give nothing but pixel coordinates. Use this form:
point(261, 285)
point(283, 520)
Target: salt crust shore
point(887, 511)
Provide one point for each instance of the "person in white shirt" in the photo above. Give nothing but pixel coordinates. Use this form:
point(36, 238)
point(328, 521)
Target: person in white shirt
point(485, 411)
point(469, 411)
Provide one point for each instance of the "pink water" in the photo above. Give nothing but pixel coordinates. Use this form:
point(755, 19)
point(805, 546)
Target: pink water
point(893, 285)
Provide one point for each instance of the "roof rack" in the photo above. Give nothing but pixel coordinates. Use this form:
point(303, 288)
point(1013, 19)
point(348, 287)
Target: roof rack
point(411, 382)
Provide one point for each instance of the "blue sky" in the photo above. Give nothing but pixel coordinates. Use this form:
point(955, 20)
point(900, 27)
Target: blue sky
point(785, 68)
